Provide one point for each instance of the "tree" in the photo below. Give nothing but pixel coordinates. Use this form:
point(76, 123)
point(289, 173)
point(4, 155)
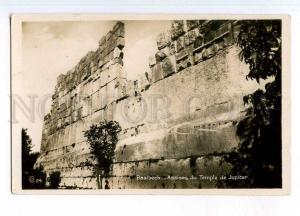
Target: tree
point(54, 180)
point(103, 139)
point(32, 178)
point(258, 155)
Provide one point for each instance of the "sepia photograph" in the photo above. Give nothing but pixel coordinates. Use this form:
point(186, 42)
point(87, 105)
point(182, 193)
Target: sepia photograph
point(162, 104)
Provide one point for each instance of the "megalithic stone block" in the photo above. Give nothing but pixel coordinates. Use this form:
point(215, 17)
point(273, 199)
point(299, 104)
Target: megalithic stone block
point(148, 76)
point(190, 60)
point(105, 50)
point(222, 29)
point(198, 41)
point(67, 120)
point(117, 52)
point(209, 52)
point(177, 29)
point(79, 113)
point(119, 29)
point(89, 103)
point(103, 77)
point(96, 84)
point(117, 26)
point(157, 73)
point(108, 36)
point(95, 101)
point(191, 24)
point(120, 43)
point(198, 57)
point(182, 64)
point(97, 56)
point(121, 89)
point(84, 108)
point(111, 92)
point(166, 51)
point(114, 71)
point(101, 63)
point(191, 36)
point(181, 55)
point(102, 41)
point(130, 87)
point(143, 82)
point(91, 64)
point(159, 56)
point(108, 64)
point(179, 44)
point(47, 117)
point(172, 48)
point(169, 66)
point(163, 40)
point(152, 61)
point(60, 79)
point(213, 49)
point(209, 36)
point(108, 58)
point(101, 54)
point(73, 117)
point(87, 72)
point(108, 112)
point(94, 69)
point(184, 59)
point(204, 54)
point(119, 60)
point(228, 40)
point(102, 97)
point(220, 45)
point(111, 45)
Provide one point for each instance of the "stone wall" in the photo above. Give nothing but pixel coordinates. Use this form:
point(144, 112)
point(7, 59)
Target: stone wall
point(177, 119)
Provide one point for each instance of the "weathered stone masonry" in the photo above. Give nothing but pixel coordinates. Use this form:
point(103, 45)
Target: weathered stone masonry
point(177, 119)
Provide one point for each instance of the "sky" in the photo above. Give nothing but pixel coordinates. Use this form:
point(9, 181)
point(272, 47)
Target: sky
point(53, 48)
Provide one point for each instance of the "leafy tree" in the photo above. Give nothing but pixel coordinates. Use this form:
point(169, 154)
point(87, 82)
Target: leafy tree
point(54, 180)
point(39, 178)
point(103, 139)
point(258, 155)
point(32, 178)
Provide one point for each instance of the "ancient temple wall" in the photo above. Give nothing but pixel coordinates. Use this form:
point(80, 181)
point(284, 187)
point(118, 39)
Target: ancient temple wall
point(177, 118)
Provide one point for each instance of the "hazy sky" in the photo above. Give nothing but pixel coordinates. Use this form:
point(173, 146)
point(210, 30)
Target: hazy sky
point(52, 48)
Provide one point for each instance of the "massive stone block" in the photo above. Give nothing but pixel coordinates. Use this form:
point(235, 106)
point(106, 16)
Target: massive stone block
point(163, 40)
point(152, 61)
point(160, 55)
point(177, 29)
point(191, 36)
point(119, 30)
point(191, 24)
point(179, 44)
point(157, 72)
point(169, 66)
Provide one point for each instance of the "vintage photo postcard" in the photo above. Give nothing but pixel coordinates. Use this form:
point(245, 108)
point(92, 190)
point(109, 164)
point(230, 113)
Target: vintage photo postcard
point(150, 104)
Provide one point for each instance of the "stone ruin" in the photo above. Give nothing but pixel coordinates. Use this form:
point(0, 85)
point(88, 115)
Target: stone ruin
point(177, 119)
